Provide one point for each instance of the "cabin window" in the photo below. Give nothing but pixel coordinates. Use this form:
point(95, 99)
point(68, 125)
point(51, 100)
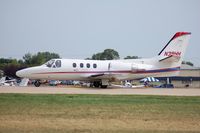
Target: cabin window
point(81, 65)
point(94, 65)
point(74, 65)
point(58, 63)
point(88, 65)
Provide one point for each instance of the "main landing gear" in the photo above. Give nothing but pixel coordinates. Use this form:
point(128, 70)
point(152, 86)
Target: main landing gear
point(102, 84)
point(96, 84)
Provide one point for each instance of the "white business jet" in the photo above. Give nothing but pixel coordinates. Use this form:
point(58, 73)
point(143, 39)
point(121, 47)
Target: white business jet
point(101, 73)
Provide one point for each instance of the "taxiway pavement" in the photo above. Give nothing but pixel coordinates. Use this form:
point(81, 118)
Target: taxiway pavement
point(108, 91)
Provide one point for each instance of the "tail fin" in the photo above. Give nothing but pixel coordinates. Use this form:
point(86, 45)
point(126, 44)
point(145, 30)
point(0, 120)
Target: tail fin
point(175, 48)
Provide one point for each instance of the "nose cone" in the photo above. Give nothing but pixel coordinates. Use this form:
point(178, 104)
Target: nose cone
point(30, 72)
point(21, 73)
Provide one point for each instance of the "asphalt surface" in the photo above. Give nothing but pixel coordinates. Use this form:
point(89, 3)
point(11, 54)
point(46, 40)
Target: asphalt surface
point(108, 91)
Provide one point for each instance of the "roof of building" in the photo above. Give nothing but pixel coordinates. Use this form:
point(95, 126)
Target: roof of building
point(188, 67)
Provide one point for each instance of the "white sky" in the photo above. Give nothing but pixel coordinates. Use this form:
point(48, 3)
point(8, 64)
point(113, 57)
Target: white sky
point(80, 28)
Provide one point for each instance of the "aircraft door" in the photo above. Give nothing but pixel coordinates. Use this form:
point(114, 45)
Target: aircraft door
point(109, 66)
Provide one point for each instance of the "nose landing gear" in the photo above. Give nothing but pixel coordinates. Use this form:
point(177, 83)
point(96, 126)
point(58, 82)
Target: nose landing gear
point(37, 83)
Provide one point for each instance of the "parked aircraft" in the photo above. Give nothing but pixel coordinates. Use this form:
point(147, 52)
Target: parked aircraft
point(100, 73)
point(6, 81)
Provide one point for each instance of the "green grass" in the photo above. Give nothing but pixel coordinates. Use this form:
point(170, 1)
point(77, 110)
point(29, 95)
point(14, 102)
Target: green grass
point(98, 113)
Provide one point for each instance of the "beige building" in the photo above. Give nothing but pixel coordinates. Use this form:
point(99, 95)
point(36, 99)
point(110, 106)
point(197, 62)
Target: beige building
point(189, 77)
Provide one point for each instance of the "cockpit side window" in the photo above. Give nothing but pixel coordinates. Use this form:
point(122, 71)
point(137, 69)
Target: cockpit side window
point(50, 63)
point(58, 63)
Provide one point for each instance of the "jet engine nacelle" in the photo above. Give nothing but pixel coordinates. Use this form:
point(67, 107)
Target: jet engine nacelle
point(140, 67)
point(122, 66)
point(119, 66)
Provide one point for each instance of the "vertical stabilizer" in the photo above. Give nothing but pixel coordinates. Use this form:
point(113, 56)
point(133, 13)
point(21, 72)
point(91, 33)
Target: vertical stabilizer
point(175, 49)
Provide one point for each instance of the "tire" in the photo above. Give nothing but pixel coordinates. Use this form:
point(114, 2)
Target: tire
point(96, 84)
point(104, 86)
point(37, 83)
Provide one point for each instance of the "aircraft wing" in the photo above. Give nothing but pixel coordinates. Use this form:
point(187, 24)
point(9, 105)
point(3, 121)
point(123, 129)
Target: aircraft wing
point(105, 75)
point(96, 75)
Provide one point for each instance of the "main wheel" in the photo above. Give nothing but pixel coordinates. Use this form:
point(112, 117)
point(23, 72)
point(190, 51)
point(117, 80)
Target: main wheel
point(97, 84)
point(37, 83)
point(104, 86)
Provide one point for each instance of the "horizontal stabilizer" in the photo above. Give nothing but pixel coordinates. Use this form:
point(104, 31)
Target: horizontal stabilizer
point(170, 59)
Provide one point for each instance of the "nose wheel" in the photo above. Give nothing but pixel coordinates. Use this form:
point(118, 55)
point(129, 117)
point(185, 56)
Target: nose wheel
point(37, 83)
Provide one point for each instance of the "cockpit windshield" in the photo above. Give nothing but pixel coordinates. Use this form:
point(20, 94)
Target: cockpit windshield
point(53, 63)
point(58, 63)
point(50, 63)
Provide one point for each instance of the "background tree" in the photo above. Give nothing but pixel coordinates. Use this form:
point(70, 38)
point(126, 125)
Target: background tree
point(131, 57)
point(107, 54)
point(10, 66)
point(97, 56)
point(39, 58)
point(27, 59)
point(10, 69)
point(188, 63)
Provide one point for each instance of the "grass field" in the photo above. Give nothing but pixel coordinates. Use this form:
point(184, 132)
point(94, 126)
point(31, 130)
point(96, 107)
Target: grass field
point(98, 114)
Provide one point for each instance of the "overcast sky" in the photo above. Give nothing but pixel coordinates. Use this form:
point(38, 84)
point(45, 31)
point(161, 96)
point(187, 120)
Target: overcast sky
point(80, 28)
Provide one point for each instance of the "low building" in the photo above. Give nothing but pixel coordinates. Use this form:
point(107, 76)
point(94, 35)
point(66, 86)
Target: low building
point(189, 77)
